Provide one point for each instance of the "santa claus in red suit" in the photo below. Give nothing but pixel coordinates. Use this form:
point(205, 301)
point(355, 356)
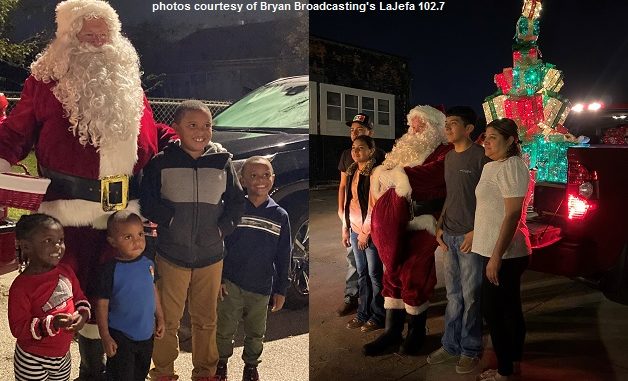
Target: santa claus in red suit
point(410, 189)
point(84, 112)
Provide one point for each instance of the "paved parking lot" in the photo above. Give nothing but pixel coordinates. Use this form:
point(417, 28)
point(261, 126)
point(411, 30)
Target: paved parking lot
point(574, 333)
point(285, 356)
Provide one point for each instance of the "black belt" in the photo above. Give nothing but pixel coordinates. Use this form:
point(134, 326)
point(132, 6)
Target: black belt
point(108, 191)
point(418, 208)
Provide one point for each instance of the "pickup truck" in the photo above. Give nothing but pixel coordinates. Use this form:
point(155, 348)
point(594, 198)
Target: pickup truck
point(581, 230)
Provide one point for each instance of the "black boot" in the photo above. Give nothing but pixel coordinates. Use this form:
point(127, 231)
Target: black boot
point(388, 342)
point(92, 355)
point(416, 335)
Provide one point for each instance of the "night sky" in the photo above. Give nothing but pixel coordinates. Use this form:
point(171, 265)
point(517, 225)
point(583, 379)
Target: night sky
point(455, 53)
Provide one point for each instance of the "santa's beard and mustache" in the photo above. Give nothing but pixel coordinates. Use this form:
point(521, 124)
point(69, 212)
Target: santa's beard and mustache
point(410, 150)
point(99, 89)
point(413, 148)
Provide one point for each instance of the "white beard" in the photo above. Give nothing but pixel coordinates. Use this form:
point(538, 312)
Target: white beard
point(412, 149)
point(102, 97)
point(409, 151)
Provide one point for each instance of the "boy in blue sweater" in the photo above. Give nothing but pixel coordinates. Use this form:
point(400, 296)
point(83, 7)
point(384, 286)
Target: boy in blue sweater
point(258, 247)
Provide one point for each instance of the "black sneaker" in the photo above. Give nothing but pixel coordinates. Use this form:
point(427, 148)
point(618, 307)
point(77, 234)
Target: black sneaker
point(250, 373)
point(221, 372)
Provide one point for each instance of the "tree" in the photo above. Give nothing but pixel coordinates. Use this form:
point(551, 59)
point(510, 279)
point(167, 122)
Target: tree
point(14, 54)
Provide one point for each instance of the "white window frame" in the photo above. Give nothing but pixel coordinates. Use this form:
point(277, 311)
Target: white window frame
point(339, 128)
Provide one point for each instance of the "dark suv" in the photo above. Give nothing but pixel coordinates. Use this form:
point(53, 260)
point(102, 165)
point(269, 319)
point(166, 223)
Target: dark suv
point(273, 121)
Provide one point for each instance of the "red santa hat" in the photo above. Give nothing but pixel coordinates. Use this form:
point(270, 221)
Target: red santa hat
point(72, 12)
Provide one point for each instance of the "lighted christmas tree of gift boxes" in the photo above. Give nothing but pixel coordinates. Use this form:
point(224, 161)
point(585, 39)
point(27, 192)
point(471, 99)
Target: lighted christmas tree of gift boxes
point(528, 94)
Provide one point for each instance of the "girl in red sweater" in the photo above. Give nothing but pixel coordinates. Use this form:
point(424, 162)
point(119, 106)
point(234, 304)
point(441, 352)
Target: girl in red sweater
point(46, 304)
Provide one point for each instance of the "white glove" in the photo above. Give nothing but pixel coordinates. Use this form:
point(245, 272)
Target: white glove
point(386, 179)
point(5, 166)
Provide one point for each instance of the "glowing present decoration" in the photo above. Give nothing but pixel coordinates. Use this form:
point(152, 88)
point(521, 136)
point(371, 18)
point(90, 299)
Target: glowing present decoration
point(528, 29)
point(503, 80)
point(531, 56)
point(494, 107)
point(527, 112)
point(531, 9)
point(552, 80)
point(549, 156)
point(526, 80)
point(555, 110)
point(528, 95)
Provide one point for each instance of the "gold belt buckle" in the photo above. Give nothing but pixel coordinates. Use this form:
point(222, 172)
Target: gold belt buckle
point(105, 192)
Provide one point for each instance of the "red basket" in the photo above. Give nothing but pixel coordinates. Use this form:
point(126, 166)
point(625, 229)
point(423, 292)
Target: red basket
point(20, 200)
point(22, 191)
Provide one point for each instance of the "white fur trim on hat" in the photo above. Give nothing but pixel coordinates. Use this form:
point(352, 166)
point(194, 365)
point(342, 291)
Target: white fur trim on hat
point(415, 310)
point(69, 11)
point(423, 222)
point(433, 116)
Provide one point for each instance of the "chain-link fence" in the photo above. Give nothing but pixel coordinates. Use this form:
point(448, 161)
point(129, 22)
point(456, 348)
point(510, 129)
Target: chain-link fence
point(163, 108)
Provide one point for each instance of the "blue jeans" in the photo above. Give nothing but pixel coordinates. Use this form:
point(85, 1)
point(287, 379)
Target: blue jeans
point(463, 315)
point(370, 272)
point(351, 280)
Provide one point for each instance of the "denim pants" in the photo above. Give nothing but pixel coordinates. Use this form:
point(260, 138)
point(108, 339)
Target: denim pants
point(370, 273)
point(463, 315)
point(502, 310)
point(351, 280)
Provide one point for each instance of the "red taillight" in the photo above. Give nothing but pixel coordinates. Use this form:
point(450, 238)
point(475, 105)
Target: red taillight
point(581, 191)
point(577, 207)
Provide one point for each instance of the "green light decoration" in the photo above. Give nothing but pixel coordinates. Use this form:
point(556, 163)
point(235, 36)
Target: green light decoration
point(549, 157)
point(528, 93)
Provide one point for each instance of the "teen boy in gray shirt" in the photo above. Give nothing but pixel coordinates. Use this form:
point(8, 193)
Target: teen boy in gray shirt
point(462, 339)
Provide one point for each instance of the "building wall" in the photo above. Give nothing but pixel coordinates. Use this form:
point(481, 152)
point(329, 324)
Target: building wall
point(350, 66)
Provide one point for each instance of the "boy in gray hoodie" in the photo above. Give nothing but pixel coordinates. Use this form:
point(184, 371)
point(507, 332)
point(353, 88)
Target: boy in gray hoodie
point(192, 191)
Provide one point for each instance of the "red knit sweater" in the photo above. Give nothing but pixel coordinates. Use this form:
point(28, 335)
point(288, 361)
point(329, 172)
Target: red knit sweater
point(34, 300)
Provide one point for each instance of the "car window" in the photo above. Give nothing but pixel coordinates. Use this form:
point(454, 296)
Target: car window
point(279, 104)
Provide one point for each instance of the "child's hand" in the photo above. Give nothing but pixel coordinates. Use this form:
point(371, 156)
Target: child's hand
point(223, 292)
point(278, 301)
point(62, 321)
point(109, 345)
point(78, 321)
point(160, 327)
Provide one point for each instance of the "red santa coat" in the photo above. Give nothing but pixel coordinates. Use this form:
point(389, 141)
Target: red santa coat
point(38, 121)
point(408, 255)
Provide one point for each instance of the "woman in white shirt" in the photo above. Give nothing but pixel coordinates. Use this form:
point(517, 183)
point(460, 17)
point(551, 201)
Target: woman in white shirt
point(501, 238)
